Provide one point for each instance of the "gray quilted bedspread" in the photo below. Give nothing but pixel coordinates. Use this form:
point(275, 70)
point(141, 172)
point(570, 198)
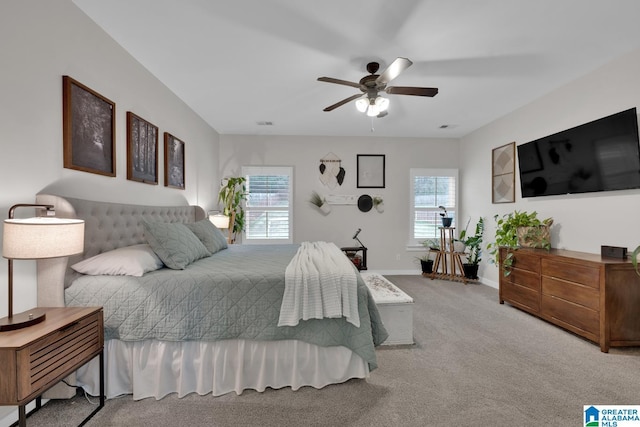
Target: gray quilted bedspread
point(236, 293)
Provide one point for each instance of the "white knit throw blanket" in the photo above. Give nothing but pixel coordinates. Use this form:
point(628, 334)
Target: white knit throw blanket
point(320, 282)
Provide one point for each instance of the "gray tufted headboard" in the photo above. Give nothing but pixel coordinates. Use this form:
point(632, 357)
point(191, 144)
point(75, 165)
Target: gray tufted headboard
point(107, 226)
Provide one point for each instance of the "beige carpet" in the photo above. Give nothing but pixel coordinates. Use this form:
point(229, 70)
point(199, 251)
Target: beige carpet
point(476, 363)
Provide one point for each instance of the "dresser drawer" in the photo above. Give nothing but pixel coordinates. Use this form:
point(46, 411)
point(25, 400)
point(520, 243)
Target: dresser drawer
point(523, 278)
point(521, 296)
point(582, 274)
point(526, 262)
point(576, 318)
point(572, 292)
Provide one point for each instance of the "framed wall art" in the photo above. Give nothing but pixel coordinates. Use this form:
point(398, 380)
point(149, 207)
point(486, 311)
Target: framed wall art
point(142, 150)
point(173, 162)
point(503, 163)
point(370, 171)
point(88, 128)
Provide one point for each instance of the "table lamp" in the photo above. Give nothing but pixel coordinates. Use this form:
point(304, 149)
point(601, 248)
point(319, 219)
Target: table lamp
point(36, 238)
point(219, 220)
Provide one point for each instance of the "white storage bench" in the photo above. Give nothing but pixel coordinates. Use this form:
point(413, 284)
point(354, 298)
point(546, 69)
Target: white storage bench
point(395, 307)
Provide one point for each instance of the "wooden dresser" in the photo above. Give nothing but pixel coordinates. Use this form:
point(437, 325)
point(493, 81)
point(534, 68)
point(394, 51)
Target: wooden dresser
point(595, 297)
point(35, 358)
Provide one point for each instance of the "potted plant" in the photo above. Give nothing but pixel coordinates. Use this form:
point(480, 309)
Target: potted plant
point(231, 195)
point(474, 245)
point(519, 229)
point(378, 203)
point(446, 221)
point(426, 263)
point(634, 259)
point(320, 203)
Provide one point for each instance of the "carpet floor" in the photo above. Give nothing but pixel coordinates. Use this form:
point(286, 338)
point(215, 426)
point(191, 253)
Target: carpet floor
point(475, 363)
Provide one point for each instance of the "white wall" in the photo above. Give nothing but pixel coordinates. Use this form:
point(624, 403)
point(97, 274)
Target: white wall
point(582, 222)
point(385, 234)
point(43, 40)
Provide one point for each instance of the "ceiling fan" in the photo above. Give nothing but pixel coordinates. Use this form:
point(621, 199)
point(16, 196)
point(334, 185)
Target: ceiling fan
point(369, 100)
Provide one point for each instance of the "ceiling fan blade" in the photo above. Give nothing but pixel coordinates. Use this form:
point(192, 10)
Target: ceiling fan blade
point(393, 70)
point(338, 81)
point(344, 101)
point(409, 90)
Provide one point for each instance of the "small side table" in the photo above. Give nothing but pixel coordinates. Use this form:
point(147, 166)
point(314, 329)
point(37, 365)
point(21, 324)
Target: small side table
point(35, 358)
point(354, 250)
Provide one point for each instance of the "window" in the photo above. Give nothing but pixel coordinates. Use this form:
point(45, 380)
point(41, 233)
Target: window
point(268, 207)
point(431, 188)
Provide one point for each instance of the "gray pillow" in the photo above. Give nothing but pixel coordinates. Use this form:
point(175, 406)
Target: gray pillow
point(209, 235)
point(174, 244)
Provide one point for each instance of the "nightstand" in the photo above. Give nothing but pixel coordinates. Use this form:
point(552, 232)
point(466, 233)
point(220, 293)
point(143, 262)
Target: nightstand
point(36, 358)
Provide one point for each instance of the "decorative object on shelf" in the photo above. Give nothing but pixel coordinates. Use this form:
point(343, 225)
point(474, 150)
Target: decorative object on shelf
point(341, 199)
point(365, 203)
point(88, 129)
point(535, 233)
point(378, 203)
point(142, 150)
point(174, 161)
point(503, 165)
point(446, 220)
point(370, 171)
point(474, 245)
point(36, 238)
point(331, 171)
point(232, 192)
point(320, 202)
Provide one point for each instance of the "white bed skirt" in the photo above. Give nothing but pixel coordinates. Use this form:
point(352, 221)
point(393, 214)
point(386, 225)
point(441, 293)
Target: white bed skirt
point(157, 368)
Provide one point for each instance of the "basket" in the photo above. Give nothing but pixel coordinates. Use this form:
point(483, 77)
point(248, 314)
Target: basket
point(534, 237)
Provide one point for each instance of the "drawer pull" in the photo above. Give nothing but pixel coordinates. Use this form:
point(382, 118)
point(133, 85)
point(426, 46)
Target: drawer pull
point(71, 326)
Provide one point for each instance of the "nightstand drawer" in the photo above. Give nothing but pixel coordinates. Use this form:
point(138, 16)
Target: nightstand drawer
point(34, 358)
point(53, 356)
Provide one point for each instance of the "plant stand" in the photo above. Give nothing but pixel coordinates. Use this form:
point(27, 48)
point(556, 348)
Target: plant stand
point(448, 264)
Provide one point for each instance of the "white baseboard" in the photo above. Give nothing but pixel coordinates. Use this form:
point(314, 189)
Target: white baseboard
point(481, 280)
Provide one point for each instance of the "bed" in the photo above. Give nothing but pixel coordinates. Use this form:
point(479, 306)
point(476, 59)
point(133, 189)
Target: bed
point(208, 326)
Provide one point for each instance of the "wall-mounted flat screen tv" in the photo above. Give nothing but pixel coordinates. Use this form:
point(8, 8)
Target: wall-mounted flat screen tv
point(601, 155)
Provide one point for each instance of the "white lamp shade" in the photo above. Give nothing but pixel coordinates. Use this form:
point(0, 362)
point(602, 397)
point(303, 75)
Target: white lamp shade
point(42, 237)
point(219, 220)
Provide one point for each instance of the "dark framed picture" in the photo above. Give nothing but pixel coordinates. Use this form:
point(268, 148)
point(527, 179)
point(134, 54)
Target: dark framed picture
point(142, 150)
point(88, 128)
point(503, 163)
point(173, 162)
point(370, 171)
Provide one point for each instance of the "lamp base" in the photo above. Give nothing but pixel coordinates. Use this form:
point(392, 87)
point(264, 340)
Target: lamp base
point(22, 320)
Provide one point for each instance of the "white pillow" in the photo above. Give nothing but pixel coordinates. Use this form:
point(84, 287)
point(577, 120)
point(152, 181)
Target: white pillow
point(128, 261)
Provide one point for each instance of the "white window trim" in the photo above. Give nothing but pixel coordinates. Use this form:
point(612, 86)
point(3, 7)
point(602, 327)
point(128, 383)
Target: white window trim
point(271, 170)
point(414, 244)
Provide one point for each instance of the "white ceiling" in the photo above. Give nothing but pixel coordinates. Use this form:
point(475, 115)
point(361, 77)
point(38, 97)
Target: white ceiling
point(240, 62)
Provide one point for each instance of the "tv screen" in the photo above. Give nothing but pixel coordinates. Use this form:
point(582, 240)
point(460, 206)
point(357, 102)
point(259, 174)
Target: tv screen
point(601, 155)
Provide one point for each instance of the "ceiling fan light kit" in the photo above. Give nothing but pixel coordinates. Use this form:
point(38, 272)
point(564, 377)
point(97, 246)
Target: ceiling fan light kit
point(369, 101)
point(372, 106)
